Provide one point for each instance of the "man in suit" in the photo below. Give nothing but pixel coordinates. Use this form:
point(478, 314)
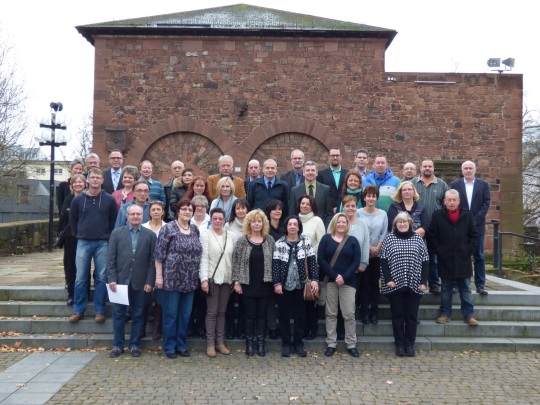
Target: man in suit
point(267, 188)
point(225, 166)
point(474, 195)
point(295, 176)
point(312, 187)
point(130, 261)
point(254, 171)
point(333, 176)
point(112, 177)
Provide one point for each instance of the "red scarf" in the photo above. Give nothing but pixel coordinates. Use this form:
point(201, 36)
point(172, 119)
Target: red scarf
point(453, 216)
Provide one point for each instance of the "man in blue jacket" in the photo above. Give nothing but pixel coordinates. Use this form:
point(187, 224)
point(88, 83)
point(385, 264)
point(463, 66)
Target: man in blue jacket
point(383, 178)
point(268, 187)
point(91, 217)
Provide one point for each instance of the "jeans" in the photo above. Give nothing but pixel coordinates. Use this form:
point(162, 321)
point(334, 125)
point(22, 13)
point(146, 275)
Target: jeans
point(136, 302)
point(86, 250)
point(464, 286)
point(433, 277)
point(176, 307)
point(479, 264)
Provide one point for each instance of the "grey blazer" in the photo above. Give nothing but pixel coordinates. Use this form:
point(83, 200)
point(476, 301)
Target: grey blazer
point(123, 267)
point(322, 197)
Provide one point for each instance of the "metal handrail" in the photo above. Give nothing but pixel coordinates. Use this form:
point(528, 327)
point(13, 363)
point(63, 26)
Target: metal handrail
point(497, 241)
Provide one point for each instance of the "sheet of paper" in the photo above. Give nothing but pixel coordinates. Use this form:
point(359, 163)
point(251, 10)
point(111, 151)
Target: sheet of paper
point(120, 296)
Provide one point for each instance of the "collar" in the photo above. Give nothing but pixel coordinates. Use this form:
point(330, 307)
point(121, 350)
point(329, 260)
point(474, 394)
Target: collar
point(469, 182)
point(133, 228)
point(266, 180)
point(231, 176)
point(335, 171)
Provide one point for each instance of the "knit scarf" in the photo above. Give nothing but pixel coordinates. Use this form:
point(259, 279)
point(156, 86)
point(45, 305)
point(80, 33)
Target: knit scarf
point(453, 216)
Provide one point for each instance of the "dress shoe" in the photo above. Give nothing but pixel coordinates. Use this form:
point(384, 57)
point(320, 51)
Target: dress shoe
point(365, 320)
point(184, 353)
point(374, 320)
point(409, 351)
point(223, 349)
point(329, 351)
point(471, 321)
point(135, 352)
point(286, 351)
point(100, 318)
point(435, 290)
point(443, 319)
point(400, 351)
point(115, 352)
point(70, 302)
point(300, 352)
point(311, 335)
point(76, 317)
point(171, 355)
point(211, 351)
point(481, 291)
point(273, 334)
point(353, 351)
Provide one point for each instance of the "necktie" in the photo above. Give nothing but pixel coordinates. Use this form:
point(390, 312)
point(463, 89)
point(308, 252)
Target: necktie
point(310, 190)
point(269, 185)
point(297, 178)
point(115, 179)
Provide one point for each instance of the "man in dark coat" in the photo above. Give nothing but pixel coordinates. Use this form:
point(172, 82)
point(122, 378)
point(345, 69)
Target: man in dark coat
point(333, 176)
point(130, 261)
point(475, 195)
point(453, 237)
point(267, 188)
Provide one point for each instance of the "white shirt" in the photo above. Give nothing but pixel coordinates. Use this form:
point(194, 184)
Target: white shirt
point(469, 186)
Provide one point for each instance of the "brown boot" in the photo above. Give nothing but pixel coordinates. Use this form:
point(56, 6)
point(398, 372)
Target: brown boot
point(156, 334)
point(222, 349)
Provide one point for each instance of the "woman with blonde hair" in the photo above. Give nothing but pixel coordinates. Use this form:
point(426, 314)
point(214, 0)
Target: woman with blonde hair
point(225, 196)
point(339, 258)
point(406, 200)
point(252, 276)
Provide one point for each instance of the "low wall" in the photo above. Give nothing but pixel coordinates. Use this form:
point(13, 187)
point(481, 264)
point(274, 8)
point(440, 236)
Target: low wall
point(25, 236)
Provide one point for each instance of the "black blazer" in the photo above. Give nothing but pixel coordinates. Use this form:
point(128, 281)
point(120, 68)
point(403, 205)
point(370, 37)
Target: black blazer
point(123, 267)
point(326, 177)
point(108, 185)
point(481, 200)
point(322, 197)
point(290, 179)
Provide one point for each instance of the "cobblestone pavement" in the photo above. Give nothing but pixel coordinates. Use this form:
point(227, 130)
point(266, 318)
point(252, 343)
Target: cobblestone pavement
point(9, 359)
point(374, 378)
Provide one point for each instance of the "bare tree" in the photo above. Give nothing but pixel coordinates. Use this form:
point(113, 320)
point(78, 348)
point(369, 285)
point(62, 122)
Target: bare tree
point(531, 168)
point(84, 137)
point(13, 119)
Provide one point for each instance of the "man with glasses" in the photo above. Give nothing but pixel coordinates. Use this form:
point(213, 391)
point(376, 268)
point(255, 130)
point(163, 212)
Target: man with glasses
point(361, 161)
point(91, 218)
point(112, 177)
point(141, 190)
point(157, 192)
point(333, 176)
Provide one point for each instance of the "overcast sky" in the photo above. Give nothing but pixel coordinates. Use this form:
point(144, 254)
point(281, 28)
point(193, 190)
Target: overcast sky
point(433, 36)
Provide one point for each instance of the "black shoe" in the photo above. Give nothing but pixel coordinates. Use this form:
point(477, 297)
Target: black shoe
point(184, 353)
point(135, 352)
point(481, 291)
point(330, 351)
point(171, 355)
point(261, 350)
point(435, 290)
point(115, 352)
point(365, 320)
point(300, 352)
point(353, 352)
point(409, 351)
point(400, 351)
point(70, 302)
point(374, 320)
point(311, 335)
point(241, 334)
point(286, 351)
point(250, 351)
point(273, 334)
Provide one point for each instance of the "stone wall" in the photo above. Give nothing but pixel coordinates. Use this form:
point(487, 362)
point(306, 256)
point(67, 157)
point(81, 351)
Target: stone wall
point(24, 237)
point(193, 99)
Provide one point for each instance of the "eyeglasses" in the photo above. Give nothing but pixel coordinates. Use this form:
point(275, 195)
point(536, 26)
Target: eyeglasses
point(200, 206)
point(186, 209)
point(142, 191)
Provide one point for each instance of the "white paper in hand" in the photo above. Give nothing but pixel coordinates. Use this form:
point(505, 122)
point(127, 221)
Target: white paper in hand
point(120, 296)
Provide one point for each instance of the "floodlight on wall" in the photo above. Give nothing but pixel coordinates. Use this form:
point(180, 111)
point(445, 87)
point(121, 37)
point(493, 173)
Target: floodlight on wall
point(496, 64)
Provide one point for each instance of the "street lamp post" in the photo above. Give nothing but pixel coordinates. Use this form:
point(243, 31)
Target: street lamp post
point(48, 136)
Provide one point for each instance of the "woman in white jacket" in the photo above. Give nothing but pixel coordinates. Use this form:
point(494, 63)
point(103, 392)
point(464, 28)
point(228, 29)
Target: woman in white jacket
point(215, 274)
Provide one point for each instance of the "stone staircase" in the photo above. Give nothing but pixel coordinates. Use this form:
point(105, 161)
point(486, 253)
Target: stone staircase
point(509, 321)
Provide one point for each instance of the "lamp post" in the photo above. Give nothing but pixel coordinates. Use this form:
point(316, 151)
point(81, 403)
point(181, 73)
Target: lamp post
point(49, 136)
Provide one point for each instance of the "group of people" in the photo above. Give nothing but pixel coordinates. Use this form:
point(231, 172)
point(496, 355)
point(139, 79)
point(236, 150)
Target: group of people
point(222, 253)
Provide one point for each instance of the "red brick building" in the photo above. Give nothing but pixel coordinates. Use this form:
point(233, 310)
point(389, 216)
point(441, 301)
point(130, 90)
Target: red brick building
point(256, 83)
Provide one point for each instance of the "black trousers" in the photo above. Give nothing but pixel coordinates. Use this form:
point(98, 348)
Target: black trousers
point(370, 291)
point(291, 305)
point(404, 307)
point(255, 311)
point(70, 270)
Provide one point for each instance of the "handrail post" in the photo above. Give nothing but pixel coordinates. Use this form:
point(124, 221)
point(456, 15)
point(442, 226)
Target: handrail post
point(495, 243)
point(500, 254)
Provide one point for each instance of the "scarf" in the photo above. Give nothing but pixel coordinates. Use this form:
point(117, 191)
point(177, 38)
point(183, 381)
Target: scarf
point(305, 218)
point(453, 216)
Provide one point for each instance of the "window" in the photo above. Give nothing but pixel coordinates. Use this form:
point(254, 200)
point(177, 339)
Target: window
point(22, 194)
point(58, 171)
point(40, 171)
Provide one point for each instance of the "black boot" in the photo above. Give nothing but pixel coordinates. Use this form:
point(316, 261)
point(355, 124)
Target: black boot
point(261, 346)
point(409, 351)
point(400, 350)
point(250, 332)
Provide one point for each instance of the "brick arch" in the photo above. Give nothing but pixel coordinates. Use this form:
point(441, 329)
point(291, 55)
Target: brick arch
point(290, 127)
point(196, 142)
